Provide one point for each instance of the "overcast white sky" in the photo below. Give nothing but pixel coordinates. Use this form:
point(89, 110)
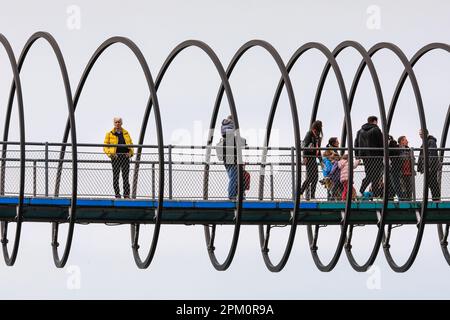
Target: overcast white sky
point(181, 268)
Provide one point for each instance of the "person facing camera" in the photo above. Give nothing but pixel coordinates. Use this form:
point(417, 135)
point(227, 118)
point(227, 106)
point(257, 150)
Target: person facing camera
point(119, 155)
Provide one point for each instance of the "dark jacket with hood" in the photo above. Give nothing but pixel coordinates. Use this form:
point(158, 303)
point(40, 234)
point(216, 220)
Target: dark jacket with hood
point(312, 141)
point(369, 136)
point(394, 155)
point(433, 156)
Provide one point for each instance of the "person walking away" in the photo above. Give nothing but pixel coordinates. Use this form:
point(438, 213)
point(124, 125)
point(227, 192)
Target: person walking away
point(434, 166)
point(311, 158)
point(230, 157)
point(371, 138)
point(119, 155)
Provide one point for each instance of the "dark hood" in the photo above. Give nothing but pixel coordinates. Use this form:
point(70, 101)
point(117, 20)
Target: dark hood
point(227, 127)
point(432, 138)
point(368, 126)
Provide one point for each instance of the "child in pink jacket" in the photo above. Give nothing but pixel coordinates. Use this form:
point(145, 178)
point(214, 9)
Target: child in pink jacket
point(344, 168)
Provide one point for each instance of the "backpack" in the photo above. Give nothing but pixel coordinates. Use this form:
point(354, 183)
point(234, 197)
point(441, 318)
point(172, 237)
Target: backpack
point(221, 153)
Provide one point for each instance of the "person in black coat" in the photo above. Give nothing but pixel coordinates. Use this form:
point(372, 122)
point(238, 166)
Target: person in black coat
point(406, 169)
point(395, 169)
point(434, 166)
point(371, 137)
point(311, 158)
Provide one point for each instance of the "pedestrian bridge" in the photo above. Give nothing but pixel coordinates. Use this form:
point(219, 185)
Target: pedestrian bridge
point(195, 193)
point(71, 183)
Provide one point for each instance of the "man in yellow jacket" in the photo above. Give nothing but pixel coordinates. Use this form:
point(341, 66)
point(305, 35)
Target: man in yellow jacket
point(120, 156)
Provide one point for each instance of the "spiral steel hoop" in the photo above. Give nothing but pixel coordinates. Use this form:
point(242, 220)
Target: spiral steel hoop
point(313, 236)
point(419, 55)
point(285, 80)
point(225, 84)
point(367, 60)
point(146, 70)
point(11, 259)
point(345, 239)
point(443, 235)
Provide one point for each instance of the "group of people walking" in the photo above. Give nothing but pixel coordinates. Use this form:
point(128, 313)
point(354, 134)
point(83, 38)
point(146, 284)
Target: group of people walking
point(369, 152)
point(334, 163)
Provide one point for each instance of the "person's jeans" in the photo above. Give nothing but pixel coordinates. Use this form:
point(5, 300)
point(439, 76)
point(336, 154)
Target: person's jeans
point(121, 162)
point(434, 184)
point(395, 186)
point(406, 183)
point(373, 168)
point(232, 180)
point(312, 177)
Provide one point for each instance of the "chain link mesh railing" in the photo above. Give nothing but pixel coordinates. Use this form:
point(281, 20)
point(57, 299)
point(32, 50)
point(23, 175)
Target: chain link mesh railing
point(200, 173)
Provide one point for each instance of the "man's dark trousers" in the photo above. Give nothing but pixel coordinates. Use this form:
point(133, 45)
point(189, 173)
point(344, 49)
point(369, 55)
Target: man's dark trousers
point(121, 162)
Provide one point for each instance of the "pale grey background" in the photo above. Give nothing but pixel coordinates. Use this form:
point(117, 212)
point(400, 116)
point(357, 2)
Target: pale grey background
point(181, 268)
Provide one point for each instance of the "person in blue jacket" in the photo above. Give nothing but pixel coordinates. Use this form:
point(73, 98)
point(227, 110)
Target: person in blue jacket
point(331, 179)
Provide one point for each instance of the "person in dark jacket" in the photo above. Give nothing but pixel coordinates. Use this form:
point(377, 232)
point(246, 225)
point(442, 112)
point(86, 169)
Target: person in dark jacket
point(406, 170)
point(371, 138)
point(311, 158)
point(434, 166)
point(333, 144)
point(395, 169)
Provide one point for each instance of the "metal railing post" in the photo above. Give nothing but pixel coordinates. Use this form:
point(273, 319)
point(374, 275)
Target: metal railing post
point(34, 178)
point(262, 172)
point(170, 171)
point(413, 173)
point(206, 169)
point(3, 170)
point(46, 169)
point(272, 195)
point(293, 173)
point(153, 181)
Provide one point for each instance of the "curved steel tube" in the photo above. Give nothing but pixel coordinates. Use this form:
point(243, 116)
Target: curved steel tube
point(408, 72)
point(421, 53)
point(285, 79)
point(367, 60)
point(347, 100)
point(143, 63)
point(225, 84)
point(311, 236)
point(443, 236)
point(11, 259)
point(421, 224)
point(59, 262)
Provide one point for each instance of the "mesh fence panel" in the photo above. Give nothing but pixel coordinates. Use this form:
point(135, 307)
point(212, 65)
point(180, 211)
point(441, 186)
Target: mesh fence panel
point(200, 173)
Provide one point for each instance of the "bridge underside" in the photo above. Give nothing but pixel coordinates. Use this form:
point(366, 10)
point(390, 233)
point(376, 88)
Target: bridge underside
point(217, 212)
